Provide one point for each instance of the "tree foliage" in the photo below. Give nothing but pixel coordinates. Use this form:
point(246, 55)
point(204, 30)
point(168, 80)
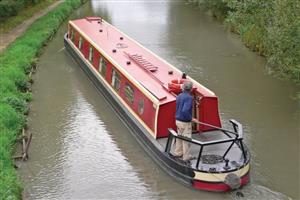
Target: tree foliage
point(270, 27)
point(12, 7)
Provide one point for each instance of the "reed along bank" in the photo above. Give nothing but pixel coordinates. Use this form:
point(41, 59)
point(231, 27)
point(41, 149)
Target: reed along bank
point(16, 63)
point(271, 28)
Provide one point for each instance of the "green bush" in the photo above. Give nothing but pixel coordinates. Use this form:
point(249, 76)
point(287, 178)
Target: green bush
point(9, 187)
point(16, 61)
point(17, 103)
point(271, 28)
point(10, 8)
point(9, 118)
point(219, 8)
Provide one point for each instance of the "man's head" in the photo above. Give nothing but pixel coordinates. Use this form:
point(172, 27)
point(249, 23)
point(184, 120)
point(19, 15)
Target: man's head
point(187, 86)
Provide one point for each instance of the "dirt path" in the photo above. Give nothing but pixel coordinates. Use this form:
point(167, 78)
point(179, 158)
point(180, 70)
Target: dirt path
point(9, 37)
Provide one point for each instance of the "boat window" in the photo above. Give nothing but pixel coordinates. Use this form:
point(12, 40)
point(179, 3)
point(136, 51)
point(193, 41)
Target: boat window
point(72, 35)
point(115, 80)
point(91, 53)
point(129, 93)
point(80, 43)
point(141, 106)
point(102, 66)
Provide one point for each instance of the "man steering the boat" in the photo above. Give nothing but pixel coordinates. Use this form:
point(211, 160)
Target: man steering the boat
point(184, 105)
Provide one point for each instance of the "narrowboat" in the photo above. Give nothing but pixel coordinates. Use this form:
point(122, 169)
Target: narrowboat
point(141, 88)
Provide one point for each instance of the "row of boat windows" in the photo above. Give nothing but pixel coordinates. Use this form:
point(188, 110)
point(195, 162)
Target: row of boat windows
point(116, 83)
point(116, 77)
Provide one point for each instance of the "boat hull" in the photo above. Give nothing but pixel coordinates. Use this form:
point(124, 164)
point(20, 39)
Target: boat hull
point(178, 170)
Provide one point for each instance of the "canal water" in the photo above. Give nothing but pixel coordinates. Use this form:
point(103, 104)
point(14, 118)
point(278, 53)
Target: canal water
point(82, 150)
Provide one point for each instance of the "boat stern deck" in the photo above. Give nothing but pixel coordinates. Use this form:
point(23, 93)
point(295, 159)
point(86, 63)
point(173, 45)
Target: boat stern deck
point(221, 158)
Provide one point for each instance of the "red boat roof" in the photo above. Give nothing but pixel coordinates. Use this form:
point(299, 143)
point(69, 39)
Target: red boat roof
point(149, 70)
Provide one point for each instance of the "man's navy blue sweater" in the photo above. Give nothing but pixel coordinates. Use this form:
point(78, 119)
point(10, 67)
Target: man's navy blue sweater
point(184, 105)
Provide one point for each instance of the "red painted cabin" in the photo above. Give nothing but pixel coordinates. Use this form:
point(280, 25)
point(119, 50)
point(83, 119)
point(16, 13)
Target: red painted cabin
point(139, 77)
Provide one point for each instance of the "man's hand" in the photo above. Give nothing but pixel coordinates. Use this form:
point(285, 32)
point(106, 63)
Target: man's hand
point(195, 120)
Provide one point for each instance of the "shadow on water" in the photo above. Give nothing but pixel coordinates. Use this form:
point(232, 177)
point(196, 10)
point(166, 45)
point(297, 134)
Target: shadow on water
point(82, 150)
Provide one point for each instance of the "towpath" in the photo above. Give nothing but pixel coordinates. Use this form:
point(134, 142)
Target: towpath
point(6, 39)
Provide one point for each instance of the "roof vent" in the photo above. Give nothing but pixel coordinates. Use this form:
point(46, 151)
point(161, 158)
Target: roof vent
point(128, 62)
point(114, 50)
point(121, 38)
point(170, 72)
point(100, 30)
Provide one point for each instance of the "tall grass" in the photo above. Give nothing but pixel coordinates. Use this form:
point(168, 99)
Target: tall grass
point(15, 63)
point(271, 28)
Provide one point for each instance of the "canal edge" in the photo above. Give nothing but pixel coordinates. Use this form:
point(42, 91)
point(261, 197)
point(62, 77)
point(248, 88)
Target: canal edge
point(16, 72)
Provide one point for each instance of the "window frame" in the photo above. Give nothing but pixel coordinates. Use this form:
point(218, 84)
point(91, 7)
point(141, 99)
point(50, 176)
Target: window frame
point(80, 43)
point(91, 53)
point(102, 66)
point(116, 80)
point(129, 93)
point(72, 35)
point(141, 106)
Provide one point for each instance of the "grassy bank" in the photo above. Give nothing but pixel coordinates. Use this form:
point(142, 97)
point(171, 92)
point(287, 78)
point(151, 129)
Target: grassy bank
point(16, 62)
point(272, 28)
point(8, 23)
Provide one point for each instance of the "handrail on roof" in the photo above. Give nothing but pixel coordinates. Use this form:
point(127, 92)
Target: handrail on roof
point(90, 19)
point(144, 67)
point(142, 62)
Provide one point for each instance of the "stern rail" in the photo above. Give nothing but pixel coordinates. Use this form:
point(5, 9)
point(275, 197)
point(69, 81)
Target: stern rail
point(238, 138)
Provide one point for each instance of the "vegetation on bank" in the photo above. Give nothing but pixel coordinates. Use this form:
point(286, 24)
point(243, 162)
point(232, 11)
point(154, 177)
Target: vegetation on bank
point(272, 28)
point(8, 22)
point(16, 62)
point(10, 8)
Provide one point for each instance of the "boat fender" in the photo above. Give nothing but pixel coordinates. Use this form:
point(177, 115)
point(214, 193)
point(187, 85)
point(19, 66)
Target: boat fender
point(239, 194)
point(233, 181)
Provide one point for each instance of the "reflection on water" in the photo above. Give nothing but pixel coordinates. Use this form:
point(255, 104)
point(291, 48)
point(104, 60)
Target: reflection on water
point(73, 155)
point(80, 148)
point(88, 157)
